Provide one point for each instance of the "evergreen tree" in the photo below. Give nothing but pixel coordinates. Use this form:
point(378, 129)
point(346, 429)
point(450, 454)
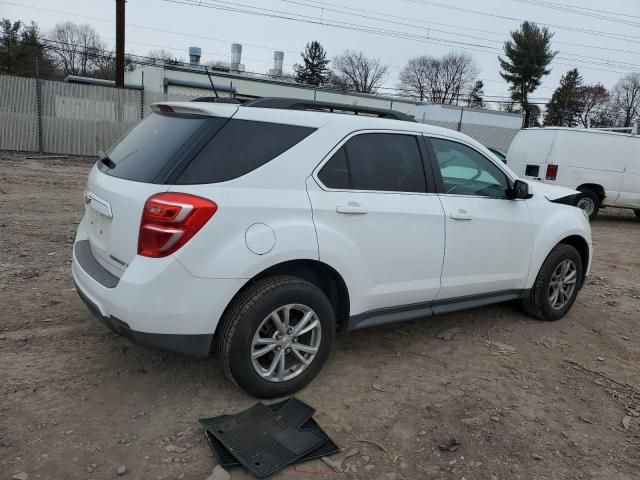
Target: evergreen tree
point(564, 107)
point(22, 52)
point(475, 96)
point(9, 45)
point(313, 70)
point(528, 54)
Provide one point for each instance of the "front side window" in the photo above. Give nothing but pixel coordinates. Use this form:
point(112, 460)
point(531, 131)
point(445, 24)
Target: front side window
point(376, 161)
point(466, 172)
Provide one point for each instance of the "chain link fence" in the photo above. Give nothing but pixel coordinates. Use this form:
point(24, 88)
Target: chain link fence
point(70, 118)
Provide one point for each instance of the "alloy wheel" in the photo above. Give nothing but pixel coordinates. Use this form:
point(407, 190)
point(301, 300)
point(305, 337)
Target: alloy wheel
point(286, 342)
point(562, 284)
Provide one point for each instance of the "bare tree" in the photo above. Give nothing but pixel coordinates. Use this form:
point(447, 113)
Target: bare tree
point(77, 49)
point(414, 78)
point(355, 72)
point(625, 98)
point(164, 56)
point(439, 80)
point(592, 100)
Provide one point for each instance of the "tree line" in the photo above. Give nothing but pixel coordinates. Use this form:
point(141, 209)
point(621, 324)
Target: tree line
point(72, 49)
point(69, 49)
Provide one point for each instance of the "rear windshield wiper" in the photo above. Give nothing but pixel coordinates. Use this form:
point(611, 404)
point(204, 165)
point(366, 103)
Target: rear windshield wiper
point(105, 160)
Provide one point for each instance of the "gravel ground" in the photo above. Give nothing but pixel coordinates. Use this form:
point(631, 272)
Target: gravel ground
point(507, 397)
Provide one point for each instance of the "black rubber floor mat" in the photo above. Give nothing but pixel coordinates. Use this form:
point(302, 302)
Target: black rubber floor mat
point(267, 439)
point(226, 460)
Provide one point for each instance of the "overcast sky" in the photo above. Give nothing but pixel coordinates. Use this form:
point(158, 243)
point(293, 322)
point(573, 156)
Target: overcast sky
point(603, 55)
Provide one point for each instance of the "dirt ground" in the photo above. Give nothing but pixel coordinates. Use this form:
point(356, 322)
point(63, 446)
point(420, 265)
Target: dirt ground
point(512, 397)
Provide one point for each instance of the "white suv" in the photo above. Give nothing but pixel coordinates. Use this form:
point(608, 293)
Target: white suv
point(257, 232)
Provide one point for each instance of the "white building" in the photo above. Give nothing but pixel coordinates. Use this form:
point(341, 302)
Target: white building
point(163, 81)
point(490, 127)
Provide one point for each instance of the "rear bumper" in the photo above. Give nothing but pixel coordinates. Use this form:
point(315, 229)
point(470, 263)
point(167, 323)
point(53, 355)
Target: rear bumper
point(198, 346)
point(156, 302)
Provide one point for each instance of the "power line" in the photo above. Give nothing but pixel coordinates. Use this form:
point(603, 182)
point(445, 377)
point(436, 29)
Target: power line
point(384, 17)
point(144, 27)
point(259, 11)
point(373, 30)
point(581, 11)
point(599, 33)
point(151, 61)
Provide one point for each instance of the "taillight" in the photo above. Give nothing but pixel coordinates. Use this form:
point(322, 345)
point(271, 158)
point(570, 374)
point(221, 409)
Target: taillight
point(169, 220)
point(552, 172)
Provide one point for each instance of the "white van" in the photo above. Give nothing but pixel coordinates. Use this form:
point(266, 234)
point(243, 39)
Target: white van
point(604, 166)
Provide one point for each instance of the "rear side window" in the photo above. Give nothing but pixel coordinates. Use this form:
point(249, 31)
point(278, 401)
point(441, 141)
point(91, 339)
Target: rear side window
point(240, 147)
point(335, 173)
point(384, 162)
point(152, 144)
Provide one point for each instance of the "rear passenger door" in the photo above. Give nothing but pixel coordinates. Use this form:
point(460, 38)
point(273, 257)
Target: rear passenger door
point(378, 220)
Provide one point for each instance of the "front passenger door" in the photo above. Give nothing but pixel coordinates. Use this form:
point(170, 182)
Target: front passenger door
point(488, 236)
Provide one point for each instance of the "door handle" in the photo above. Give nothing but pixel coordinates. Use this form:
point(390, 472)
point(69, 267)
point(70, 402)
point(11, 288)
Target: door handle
point(352, 208)
point(461, 215)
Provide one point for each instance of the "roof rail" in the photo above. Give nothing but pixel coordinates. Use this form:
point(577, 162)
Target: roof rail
point(216, 100)
point(314, 105)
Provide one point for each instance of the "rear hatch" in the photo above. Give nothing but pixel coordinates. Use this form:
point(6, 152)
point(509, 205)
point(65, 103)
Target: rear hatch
point(142, 163)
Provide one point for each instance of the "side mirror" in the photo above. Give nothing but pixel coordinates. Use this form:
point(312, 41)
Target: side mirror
point(519, 189)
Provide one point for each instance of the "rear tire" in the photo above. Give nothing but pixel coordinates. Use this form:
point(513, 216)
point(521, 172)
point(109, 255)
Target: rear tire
point(248, 327)
point(589, 203)
point(540, 302)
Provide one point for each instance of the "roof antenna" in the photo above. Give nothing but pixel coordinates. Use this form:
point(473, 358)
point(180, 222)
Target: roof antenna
point(211, 81)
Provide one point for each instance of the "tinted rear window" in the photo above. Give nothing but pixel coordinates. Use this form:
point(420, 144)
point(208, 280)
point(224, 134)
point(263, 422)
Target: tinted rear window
point(335, 173)
point(240, 147)
point(151, 145)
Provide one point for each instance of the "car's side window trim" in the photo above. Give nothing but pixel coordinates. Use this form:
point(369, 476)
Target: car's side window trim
point(438, 175)
point(424, 156)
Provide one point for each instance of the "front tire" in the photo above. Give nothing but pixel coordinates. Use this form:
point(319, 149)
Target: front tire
point(276, 336)
point(556, 285)
point(637, 212)
point(589, 203)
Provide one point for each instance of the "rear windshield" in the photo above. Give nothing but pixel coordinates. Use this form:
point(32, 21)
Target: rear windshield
point(147, 149)
point(240, 147)
point(197, 149)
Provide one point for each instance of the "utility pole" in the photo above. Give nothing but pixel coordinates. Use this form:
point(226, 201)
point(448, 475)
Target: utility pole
point(120, 43)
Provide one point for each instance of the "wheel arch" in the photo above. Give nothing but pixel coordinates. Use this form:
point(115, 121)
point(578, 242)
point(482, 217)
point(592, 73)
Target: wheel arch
point(595, 188)
point(558, 224)
point(580, 244)
point(318, 273)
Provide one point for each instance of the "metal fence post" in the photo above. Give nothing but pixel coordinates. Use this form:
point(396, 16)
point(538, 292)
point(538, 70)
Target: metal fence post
point(141, 104)
point(460, 121)
point(39, 112)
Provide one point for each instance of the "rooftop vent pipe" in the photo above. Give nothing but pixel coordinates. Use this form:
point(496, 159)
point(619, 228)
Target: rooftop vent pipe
point(278, 59)
point(194, 55)
point(236, 56)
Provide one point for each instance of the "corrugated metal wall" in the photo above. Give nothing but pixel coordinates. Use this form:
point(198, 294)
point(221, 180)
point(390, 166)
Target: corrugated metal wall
point(18, 114)
point(73, 119)
point(80, 119)
point(84, 119)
